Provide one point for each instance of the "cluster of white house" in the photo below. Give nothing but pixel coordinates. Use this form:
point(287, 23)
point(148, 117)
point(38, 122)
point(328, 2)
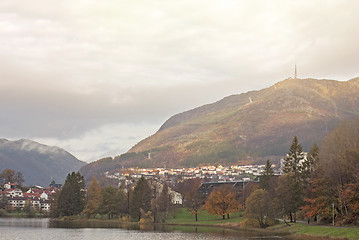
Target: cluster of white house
point(221, 173)
point(37, 197)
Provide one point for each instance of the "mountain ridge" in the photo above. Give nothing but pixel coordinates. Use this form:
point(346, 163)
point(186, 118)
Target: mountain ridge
point(302, 101)
point(39, 163)
point(245, 128)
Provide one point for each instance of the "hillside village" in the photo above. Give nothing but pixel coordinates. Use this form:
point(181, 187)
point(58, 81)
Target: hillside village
point(37, 197)
point(210, 173)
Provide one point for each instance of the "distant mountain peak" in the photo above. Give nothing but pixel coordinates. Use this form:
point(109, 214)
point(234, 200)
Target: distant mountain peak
point(39, 163)
point(250, 126)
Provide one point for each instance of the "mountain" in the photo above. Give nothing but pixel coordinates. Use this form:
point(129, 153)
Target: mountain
point(40, 164)
point(250, 126)
point(245, 128)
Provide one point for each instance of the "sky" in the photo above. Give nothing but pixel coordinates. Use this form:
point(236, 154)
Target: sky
point(96, 77)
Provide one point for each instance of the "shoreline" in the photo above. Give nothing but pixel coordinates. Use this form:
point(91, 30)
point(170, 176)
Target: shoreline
point(277, 230)
point(295, 231)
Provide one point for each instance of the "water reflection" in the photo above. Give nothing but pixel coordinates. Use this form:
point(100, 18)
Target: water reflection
point(25, 222)
point(31, 229)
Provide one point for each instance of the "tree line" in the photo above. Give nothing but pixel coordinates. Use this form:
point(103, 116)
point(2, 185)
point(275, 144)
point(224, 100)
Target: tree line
point(322, 185)
point(141, 202)
point(147, 201)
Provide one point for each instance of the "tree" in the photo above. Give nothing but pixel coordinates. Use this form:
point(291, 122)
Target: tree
point(292, 189)
point(160, 202)
point(247, 191)
point(12, 176)
point(54, 200)
point(165, 199)
point(290, 196)
point(339, 160)
point(71, 200)
point(93, 198)
point(294, 159)
point(319, 197)
point(141, 199)
point(122, 202)
point(183, 186)
point(28, 206)
point(222, 201)
point(111, 200)
point(3, 201)
point(267, 176)
point(194, 199)
point(257, 207)
point(312, 160)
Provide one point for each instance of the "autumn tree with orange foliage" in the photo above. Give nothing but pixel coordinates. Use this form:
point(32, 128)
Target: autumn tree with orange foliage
point(222, 201)
point(319, 197)
point(333, 192)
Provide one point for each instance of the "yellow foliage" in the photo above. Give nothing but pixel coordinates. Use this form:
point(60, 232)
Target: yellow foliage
point(222, 201)
point(249, 223)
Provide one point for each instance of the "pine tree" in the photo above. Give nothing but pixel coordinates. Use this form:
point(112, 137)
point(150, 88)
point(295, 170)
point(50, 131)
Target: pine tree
point(71, 200)
point(141, 199)
point(267, 176)
point(294, 159)
point(295, 179)
point(312, 160)
point(110, 202)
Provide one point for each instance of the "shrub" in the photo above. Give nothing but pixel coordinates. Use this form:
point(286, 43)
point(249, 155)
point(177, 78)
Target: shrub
point(3, 213)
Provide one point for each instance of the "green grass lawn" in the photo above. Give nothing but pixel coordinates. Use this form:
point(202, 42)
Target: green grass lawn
point(323, 231)
point(183, 216)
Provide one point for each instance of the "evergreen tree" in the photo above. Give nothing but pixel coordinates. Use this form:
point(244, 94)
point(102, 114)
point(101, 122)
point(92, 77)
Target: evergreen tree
point(312, 161)
point(294, 168)
point(93, 198)
point(71, 200)
point(110, 202)
point(267, 176)
point(122, 202)
point(54, 201)
point(141, 199)
point(294, 159)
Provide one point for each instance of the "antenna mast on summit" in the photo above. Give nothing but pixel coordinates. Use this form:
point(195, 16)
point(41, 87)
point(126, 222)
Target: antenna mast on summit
point(295, 71)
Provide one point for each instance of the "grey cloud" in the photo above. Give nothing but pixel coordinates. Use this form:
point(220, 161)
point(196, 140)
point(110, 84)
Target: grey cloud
point(72, 68)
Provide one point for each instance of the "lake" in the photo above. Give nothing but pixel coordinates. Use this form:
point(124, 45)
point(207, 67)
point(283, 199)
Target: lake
point(38, 229)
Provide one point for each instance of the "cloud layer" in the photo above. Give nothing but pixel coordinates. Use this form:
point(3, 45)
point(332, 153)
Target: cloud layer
point(95, 77)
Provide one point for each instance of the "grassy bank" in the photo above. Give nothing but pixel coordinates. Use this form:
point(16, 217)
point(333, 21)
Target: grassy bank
point(16, 214)
point(182, 216)
point(183, 220)
point(318, 230)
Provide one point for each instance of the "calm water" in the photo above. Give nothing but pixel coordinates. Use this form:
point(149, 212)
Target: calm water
point(38, 229)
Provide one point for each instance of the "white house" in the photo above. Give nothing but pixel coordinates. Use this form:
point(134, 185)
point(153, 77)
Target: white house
point(176, 197)
point(17, 202)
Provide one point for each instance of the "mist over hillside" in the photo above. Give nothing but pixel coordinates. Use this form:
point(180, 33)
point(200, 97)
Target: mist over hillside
point(40, 164)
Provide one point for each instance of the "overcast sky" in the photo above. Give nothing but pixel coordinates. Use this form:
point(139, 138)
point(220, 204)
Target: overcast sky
point(95, 77)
